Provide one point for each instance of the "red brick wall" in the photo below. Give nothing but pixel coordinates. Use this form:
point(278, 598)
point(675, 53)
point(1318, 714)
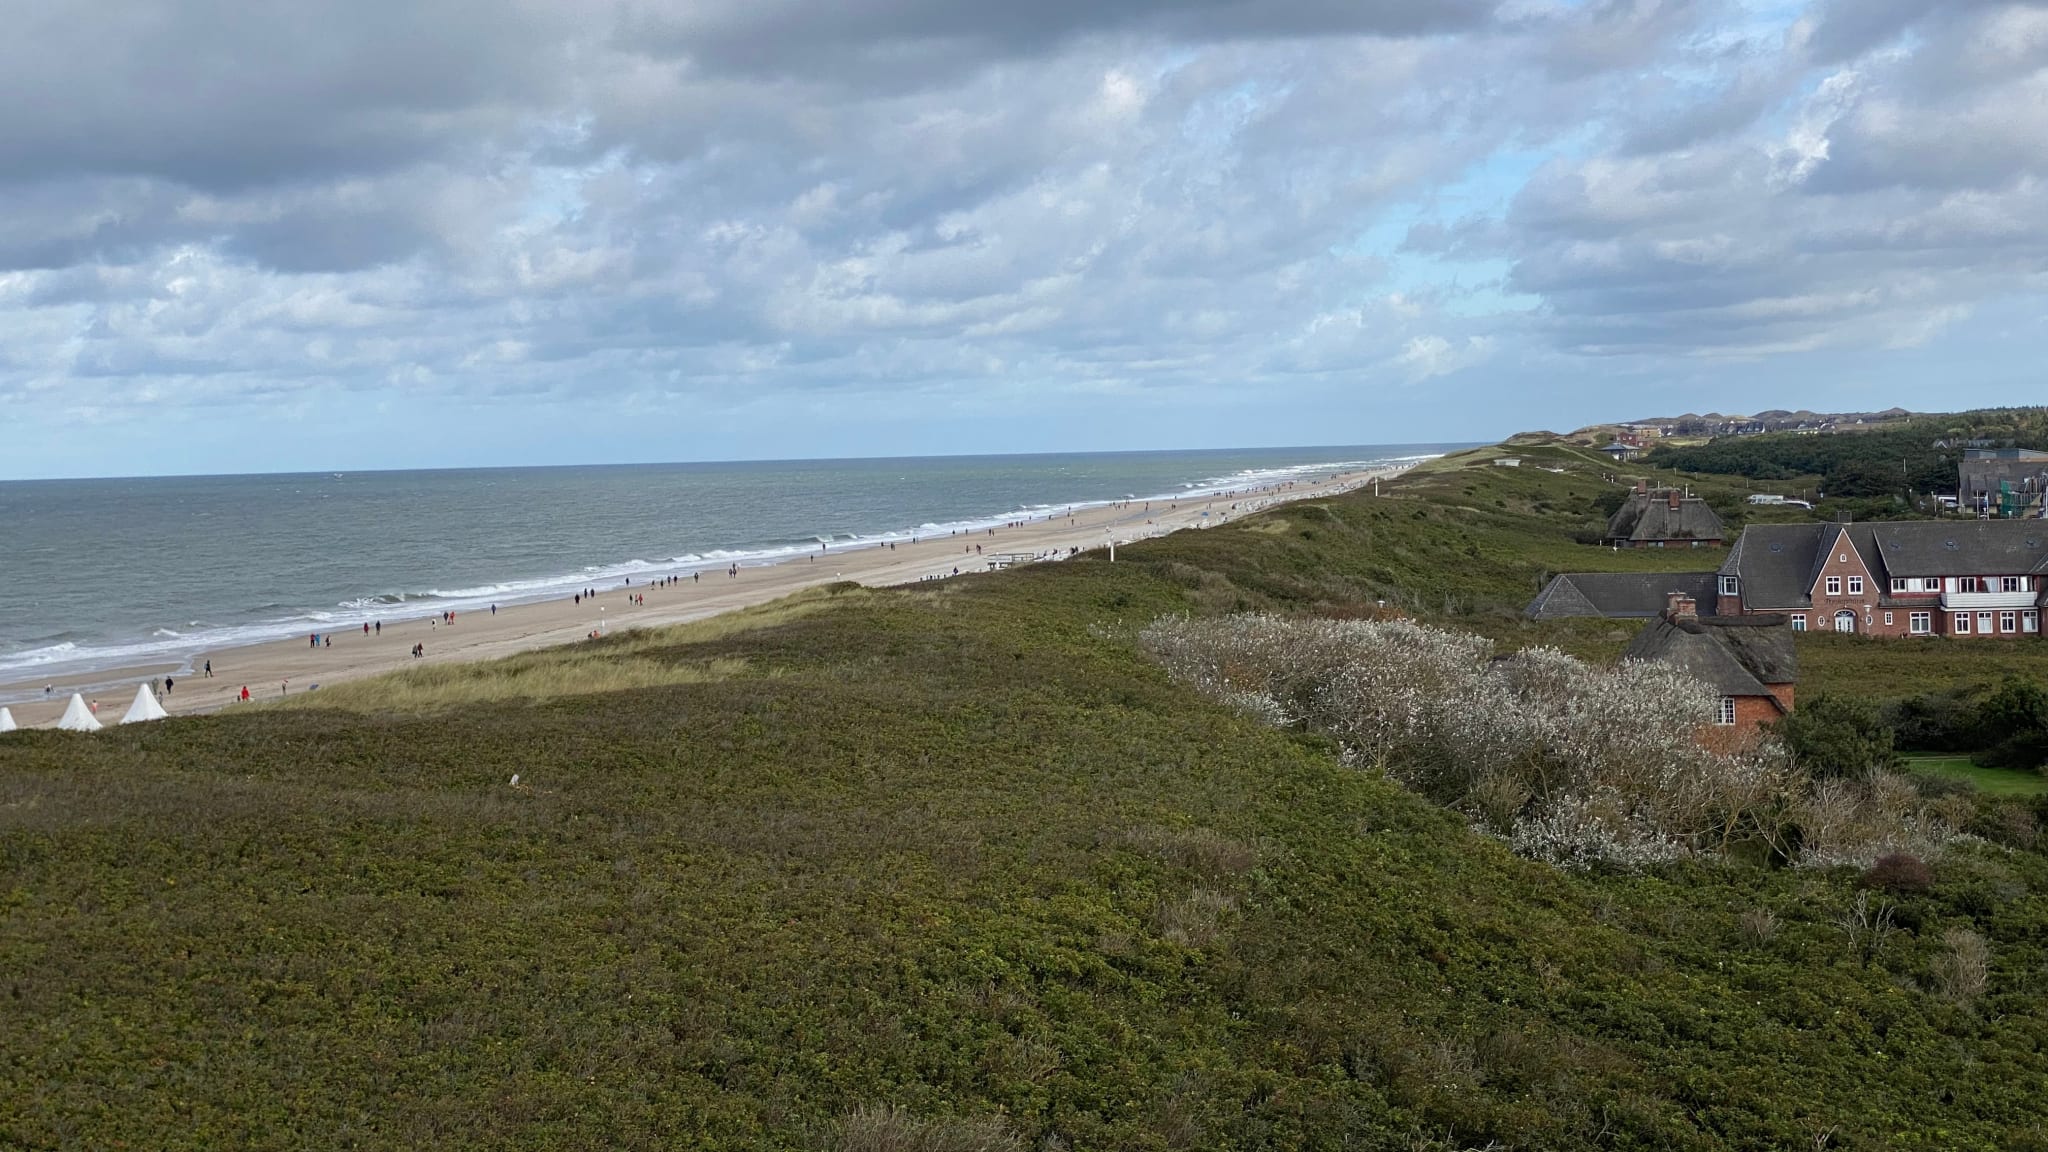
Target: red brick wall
point(1751, 714)
point(1845, 563)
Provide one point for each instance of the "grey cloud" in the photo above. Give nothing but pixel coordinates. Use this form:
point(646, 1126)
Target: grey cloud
point(885, 39)
point(218, 95)
point(805, 198)
point(1847, 28)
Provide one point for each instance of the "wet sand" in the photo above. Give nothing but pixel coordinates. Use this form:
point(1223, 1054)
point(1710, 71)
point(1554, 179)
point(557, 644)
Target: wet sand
point(282, 667)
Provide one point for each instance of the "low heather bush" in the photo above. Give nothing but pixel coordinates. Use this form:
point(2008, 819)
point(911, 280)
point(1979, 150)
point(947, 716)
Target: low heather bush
point(1898, 872)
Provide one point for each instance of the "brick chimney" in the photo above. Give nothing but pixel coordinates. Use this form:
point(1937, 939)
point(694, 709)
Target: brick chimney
point(1679, 606)
point(1672, 496)
point(1642, 486)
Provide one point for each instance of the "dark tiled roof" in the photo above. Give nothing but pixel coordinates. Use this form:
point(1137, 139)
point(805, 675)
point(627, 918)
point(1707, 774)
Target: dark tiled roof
point(1776, 563)
point(1956, 548)
point(1650, 516)
point(1631, 595)
point(1739, 656)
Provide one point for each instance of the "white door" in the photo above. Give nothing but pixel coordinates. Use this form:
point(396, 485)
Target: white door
point(1845, 621)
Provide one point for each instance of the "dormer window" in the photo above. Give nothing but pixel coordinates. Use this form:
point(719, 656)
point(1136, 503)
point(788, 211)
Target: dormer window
point(1730, 586)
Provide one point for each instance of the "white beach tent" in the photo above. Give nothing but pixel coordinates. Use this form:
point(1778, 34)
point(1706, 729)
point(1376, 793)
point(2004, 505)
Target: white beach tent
point(144, 708)
point(77, 717)
point(6, 720)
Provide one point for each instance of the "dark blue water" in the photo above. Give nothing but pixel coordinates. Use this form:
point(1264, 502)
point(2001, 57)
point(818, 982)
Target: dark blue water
point(99, 573)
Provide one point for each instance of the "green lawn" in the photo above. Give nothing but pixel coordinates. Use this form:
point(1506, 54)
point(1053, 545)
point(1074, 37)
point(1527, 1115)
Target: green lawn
point(1990, 781)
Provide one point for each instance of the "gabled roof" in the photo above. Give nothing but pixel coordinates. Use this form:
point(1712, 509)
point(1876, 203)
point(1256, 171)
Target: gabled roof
point(1737, 655)
point(1957, 548)
point(1776, 563)
point(1650, 516)
point(1622, 595)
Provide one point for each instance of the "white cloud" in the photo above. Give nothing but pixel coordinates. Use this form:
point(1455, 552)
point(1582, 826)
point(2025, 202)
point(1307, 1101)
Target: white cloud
point(928, 198)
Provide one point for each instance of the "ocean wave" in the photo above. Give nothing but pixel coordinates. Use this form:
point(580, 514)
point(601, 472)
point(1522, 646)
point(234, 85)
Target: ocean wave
point(280, 621)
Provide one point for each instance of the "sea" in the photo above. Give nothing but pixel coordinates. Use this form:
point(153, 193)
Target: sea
point(98, 574)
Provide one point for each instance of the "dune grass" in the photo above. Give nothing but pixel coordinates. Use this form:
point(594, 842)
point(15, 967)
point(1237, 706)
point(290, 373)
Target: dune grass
point(949, 866)
point(619, 662)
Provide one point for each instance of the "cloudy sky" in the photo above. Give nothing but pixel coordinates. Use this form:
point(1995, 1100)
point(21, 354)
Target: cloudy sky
point(373, 233)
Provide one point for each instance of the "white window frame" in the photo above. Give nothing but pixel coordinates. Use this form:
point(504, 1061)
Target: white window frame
point(1919, 623)
point(1887, 619)
point(2010, 584)
point(1855, 585)
point(1898, 583)
point(1730, 586)
point(1799, 621)
point(1834, 585)
point(1724, 716)
point(2008, 623)
point(2030, 622)
point(1960, 624)
point(1983, 623)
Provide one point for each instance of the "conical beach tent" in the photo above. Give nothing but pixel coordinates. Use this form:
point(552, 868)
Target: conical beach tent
point(77, 717)
point(144, 708)
point(6, 720)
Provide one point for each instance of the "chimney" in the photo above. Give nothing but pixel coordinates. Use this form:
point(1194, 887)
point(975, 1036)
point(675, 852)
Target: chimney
point(1679, 606)
point(1673, 496)
point(1642, 486)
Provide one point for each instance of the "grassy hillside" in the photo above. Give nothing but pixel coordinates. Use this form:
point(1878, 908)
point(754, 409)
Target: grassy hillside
point(960, 851)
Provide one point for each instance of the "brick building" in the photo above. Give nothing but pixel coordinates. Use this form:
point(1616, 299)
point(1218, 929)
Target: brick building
point(1748, 659)
point(1908, 578)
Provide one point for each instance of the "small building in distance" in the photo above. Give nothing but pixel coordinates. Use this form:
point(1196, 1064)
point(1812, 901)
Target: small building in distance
point(1617, 595)
point(1749, 661)
point(2002, 482)
point(1664, 518)
point(1621, 451)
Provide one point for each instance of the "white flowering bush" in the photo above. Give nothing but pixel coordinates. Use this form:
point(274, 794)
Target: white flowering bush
point(1569, 763)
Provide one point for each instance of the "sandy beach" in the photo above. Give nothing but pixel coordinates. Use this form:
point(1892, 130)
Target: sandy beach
point(293, 666)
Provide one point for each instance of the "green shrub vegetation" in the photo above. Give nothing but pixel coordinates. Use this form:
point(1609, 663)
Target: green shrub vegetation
point(957, 866)
point(1877, 468)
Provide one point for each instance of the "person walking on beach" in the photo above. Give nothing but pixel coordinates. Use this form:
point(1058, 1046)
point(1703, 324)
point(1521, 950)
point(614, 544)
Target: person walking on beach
point(380, 627)
point(245, 693)
point(167, 685)
point(209, 669)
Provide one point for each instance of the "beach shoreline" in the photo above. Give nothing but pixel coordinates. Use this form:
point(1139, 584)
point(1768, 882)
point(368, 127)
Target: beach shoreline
point(277, 668)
